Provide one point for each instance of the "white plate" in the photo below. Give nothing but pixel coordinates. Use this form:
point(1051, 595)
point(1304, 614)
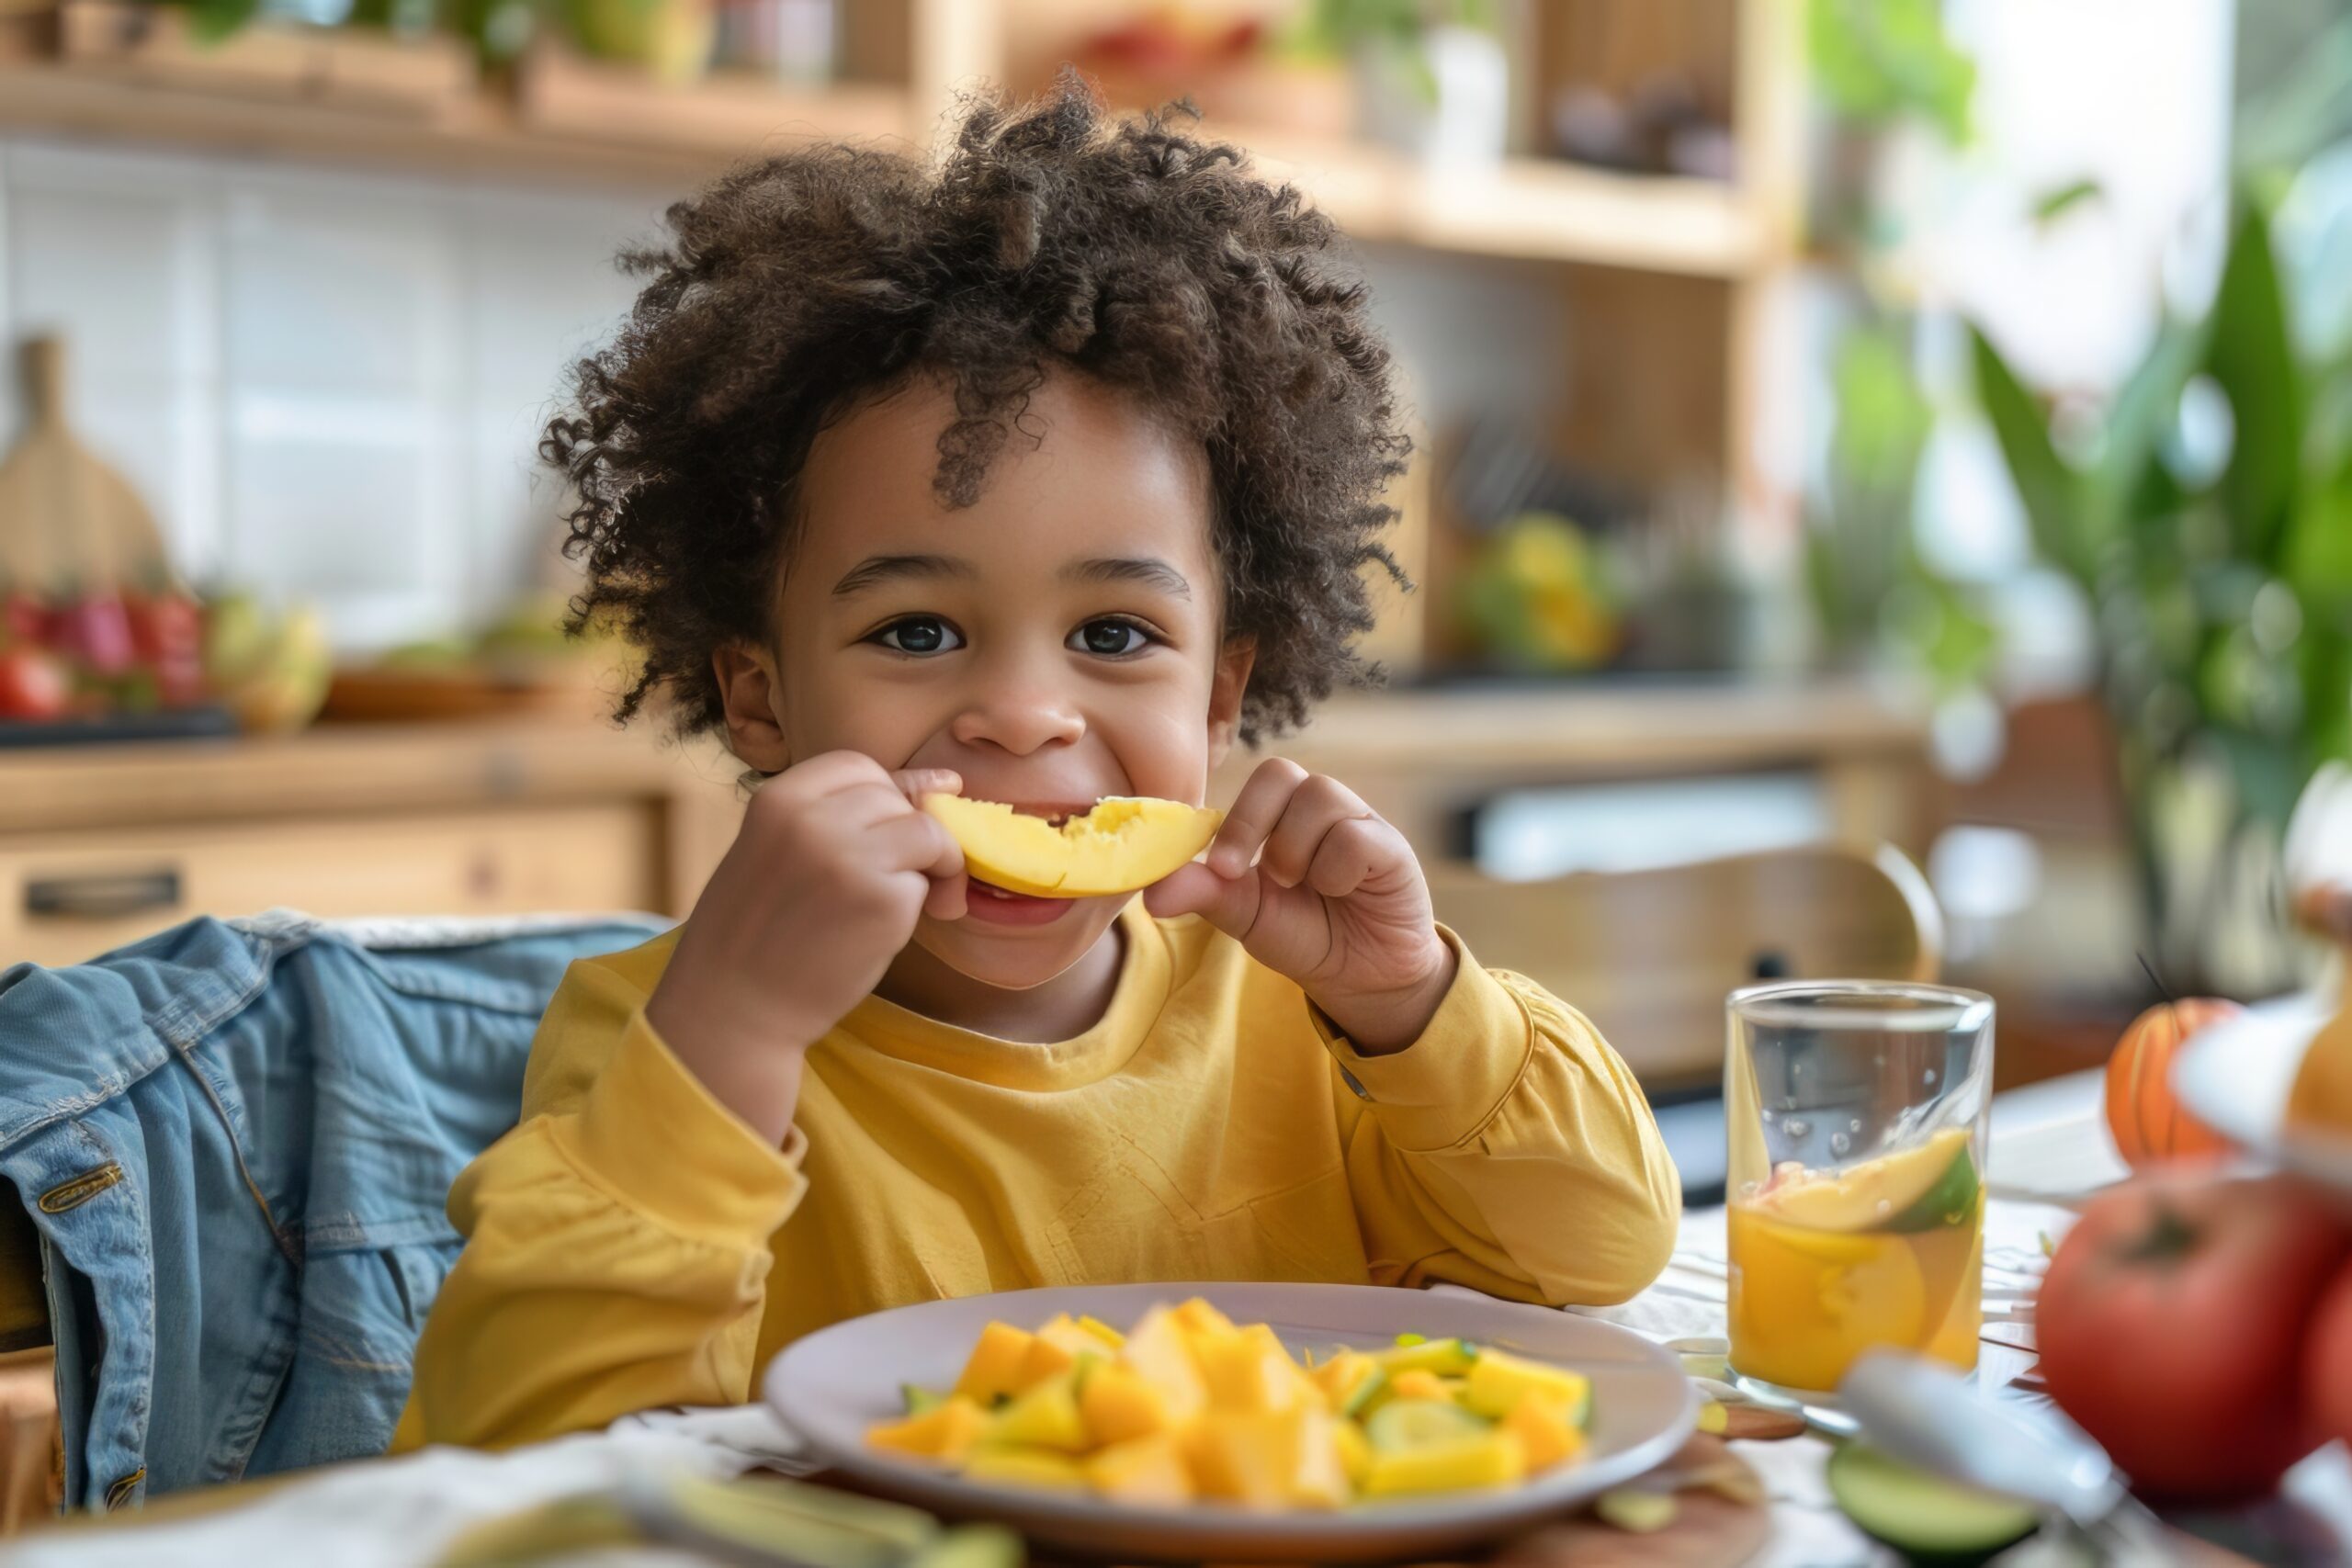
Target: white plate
point(2236, 1075)
point(836, 1383)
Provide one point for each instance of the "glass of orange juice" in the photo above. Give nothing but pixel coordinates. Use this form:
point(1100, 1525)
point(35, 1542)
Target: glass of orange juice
point(1856, 1113)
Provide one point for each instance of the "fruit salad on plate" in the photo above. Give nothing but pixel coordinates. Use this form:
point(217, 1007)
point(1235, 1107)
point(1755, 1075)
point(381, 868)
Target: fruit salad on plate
point(1188, 1405)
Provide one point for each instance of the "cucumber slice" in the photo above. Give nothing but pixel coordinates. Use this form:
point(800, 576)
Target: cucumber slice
point(1949, 1202)
point(1404, 1424)
point(920, 1399)
point(1929, 1521)
point(1367, 1390)
point(1447, 1358)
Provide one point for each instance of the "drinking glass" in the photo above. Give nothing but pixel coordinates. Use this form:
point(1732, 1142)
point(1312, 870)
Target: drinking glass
point(1857, 1113)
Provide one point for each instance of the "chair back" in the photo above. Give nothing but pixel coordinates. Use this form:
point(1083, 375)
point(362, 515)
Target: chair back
point(1650, 955)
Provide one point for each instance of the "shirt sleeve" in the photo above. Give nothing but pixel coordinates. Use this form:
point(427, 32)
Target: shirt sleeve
point(617, 1241)
point(1507, 1149)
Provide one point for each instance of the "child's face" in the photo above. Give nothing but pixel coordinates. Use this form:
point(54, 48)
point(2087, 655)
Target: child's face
point(1059, 640)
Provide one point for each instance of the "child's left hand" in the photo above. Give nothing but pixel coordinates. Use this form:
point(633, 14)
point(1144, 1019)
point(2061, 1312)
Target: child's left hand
point(1337, 902)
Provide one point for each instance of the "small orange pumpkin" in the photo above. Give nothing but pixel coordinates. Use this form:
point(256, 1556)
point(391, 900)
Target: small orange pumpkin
point(2147, 1122)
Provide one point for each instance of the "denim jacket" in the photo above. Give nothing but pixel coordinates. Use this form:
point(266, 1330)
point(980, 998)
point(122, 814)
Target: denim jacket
point(236, 1140)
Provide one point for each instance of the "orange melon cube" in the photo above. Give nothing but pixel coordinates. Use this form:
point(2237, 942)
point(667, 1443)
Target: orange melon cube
point(1143, 1470)
point(1160, 1351)
point(946, 1431)
point(1119, 1405)
point(1546, 1430)
point(996, 1363)
point(1198, 1316)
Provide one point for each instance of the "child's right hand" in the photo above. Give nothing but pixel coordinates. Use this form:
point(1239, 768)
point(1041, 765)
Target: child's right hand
point(831, 868)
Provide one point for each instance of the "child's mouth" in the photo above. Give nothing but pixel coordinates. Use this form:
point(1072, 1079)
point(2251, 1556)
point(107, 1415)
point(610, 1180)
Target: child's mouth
point(986, 901)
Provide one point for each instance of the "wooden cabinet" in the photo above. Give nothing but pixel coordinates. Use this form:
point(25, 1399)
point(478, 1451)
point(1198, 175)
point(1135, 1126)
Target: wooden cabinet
point(100, 846)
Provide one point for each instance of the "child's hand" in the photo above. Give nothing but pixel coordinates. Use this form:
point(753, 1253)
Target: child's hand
point(1337, 902)
point(831, 868)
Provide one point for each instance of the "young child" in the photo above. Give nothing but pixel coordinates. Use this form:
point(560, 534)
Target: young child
point(1039, 476)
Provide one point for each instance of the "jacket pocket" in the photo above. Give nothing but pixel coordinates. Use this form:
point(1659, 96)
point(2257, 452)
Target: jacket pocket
point(355, 1352)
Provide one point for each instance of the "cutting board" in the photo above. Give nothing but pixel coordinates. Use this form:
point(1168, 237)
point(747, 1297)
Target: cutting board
point(68, 522)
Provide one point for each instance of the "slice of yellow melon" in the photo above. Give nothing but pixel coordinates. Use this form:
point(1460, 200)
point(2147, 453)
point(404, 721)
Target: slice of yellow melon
point(1123, 844)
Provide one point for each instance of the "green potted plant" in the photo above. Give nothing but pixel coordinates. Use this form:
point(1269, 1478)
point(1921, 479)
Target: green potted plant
point(2206, 515)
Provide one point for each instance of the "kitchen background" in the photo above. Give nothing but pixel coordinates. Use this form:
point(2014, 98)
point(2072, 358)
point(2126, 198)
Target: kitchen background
point(1847, 422)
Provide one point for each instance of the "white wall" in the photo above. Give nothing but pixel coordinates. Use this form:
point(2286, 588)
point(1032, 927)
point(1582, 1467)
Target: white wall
point(324, 383)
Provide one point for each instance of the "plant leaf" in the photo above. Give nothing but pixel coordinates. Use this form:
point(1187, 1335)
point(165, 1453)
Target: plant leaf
point(2252, 359)
point(2120, 486)
point(209, 21)
point(2056, 204)
point(2051, 492)
point(2319, 546)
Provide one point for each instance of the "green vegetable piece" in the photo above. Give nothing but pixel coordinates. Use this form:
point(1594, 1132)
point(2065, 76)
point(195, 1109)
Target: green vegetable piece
point(1405, 1424)
point(1447, 1358)
point(1636, 1513)
point(1929, 1521)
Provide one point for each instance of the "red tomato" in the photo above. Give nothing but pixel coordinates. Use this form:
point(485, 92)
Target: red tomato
point(32, 684)
point(24, 620)
point(2171, 1326)
point(2327, 1360)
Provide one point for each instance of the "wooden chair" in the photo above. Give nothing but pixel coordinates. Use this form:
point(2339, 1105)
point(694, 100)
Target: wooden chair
point(1650, 955)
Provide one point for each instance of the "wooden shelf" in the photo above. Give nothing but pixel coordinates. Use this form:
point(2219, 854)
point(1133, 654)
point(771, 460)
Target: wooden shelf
point(1528, 208)
point(575, 122)
point(482, 138)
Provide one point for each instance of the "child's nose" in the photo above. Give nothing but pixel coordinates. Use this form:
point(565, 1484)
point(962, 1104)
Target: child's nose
point(1019, 717)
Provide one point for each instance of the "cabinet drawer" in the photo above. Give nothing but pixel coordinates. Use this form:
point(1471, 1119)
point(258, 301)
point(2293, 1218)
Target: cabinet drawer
point(65, 898)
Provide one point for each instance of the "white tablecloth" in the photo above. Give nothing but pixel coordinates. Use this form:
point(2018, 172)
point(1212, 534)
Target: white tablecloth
point(401, 1513)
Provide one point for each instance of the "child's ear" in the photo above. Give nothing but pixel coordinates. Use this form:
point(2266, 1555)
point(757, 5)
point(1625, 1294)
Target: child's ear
point(1232, 679)
point(753, 701)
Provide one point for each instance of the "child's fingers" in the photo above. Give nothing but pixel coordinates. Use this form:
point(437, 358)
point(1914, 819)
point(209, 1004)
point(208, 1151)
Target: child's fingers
point(914, 842)
point(946, 899)
point(1320, 806)
point(916, 783)
point(1349, 853)
point(1228, 904)
point(1253, 815)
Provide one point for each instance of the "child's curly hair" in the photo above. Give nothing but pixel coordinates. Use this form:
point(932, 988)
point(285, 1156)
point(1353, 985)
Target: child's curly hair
point(1053, 234)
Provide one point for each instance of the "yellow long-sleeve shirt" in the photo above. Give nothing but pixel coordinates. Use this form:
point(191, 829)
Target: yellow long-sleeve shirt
point(632, 1244)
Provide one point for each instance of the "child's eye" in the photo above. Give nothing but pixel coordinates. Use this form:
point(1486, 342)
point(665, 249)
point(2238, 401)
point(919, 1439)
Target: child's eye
point(1110, 638)
point(918, 634)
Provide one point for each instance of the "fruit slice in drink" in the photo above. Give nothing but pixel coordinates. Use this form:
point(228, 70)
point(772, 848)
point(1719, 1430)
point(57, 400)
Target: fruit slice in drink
point(1888, 1252)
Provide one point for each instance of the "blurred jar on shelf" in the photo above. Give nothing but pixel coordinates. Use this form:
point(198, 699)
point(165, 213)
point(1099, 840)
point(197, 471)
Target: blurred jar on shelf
point(794, 41)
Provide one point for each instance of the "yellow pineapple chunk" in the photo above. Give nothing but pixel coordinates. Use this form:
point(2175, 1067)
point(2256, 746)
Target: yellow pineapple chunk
point(946, 1431)
point(1023, 1467)
point(1499, 1381)
point(1493, 1458)
point(1044, 1416)
point(1142, 1469)
point(1355, 1452)
point(996, 1363)
point(1110, 1337)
